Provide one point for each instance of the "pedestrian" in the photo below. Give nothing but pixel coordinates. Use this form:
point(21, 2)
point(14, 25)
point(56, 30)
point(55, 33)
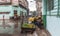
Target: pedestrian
point(38, 26)
point(37, 22)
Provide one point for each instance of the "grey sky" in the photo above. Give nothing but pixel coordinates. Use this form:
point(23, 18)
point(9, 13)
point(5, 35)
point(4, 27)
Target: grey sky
point(32, 5)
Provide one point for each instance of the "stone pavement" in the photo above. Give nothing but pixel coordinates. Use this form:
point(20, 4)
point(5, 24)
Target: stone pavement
point(42, 32)
point(5, 35)
point(38, 32)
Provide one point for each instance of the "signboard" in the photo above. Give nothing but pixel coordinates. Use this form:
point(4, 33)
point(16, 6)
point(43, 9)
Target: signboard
point(15, 2)
point(4, 12)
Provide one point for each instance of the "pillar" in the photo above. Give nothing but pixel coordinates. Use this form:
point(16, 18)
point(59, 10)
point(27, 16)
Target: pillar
point(44, 11)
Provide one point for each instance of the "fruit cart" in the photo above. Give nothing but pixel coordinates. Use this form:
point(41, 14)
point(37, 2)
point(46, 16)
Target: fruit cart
point(27, 28)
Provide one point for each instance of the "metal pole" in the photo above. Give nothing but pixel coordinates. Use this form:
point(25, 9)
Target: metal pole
point(3, 22)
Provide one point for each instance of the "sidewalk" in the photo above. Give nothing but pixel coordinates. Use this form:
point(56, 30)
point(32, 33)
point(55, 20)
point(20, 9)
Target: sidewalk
point(38, 32)
point(42, 32)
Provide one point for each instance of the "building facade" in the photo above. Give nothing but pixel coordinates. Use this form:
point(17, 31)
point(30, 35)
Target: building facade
point(24, 3)
point(39, 7)
point(8, 9)
point(51, 16)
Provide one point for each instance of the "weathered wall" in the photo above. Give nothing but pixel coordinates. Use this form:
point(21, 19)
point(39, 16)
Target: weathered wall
point(53, 25)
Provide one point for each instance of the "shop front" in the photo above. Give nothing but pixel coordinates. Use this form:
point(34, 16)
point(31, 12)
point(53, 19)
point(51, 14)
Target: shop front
point(6, 26)
point(8, 15)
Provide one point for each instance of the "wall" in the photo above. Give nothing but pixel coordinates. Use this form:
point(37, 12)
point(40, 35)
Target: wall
point(53, 25)
point(52, 18)
point(39, 7)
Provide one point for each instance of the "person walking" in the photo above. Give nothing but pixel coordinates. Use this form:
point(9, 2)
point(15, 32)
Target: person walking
point(37, 23)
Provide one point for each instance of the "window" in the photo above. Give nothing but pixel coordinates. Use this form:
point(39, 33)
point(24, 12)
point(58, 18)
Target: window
point(50, 5)
point(5, 2)
point(15, 12)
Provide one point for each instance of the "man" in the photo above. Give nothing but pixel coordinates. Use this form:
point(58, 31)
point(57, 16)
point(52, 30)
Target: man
point(31, 19)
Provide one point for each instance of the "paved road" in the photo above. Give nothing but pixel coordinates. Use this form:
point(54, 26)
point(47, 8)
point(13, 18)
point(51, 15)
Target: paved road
point(5, 35)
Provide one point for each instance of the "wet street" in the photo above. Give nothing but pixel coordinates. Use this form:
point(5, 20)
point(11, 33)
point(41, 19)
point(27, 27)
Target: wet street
point(36, 33)
point(10, 31)
point(41, 33)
